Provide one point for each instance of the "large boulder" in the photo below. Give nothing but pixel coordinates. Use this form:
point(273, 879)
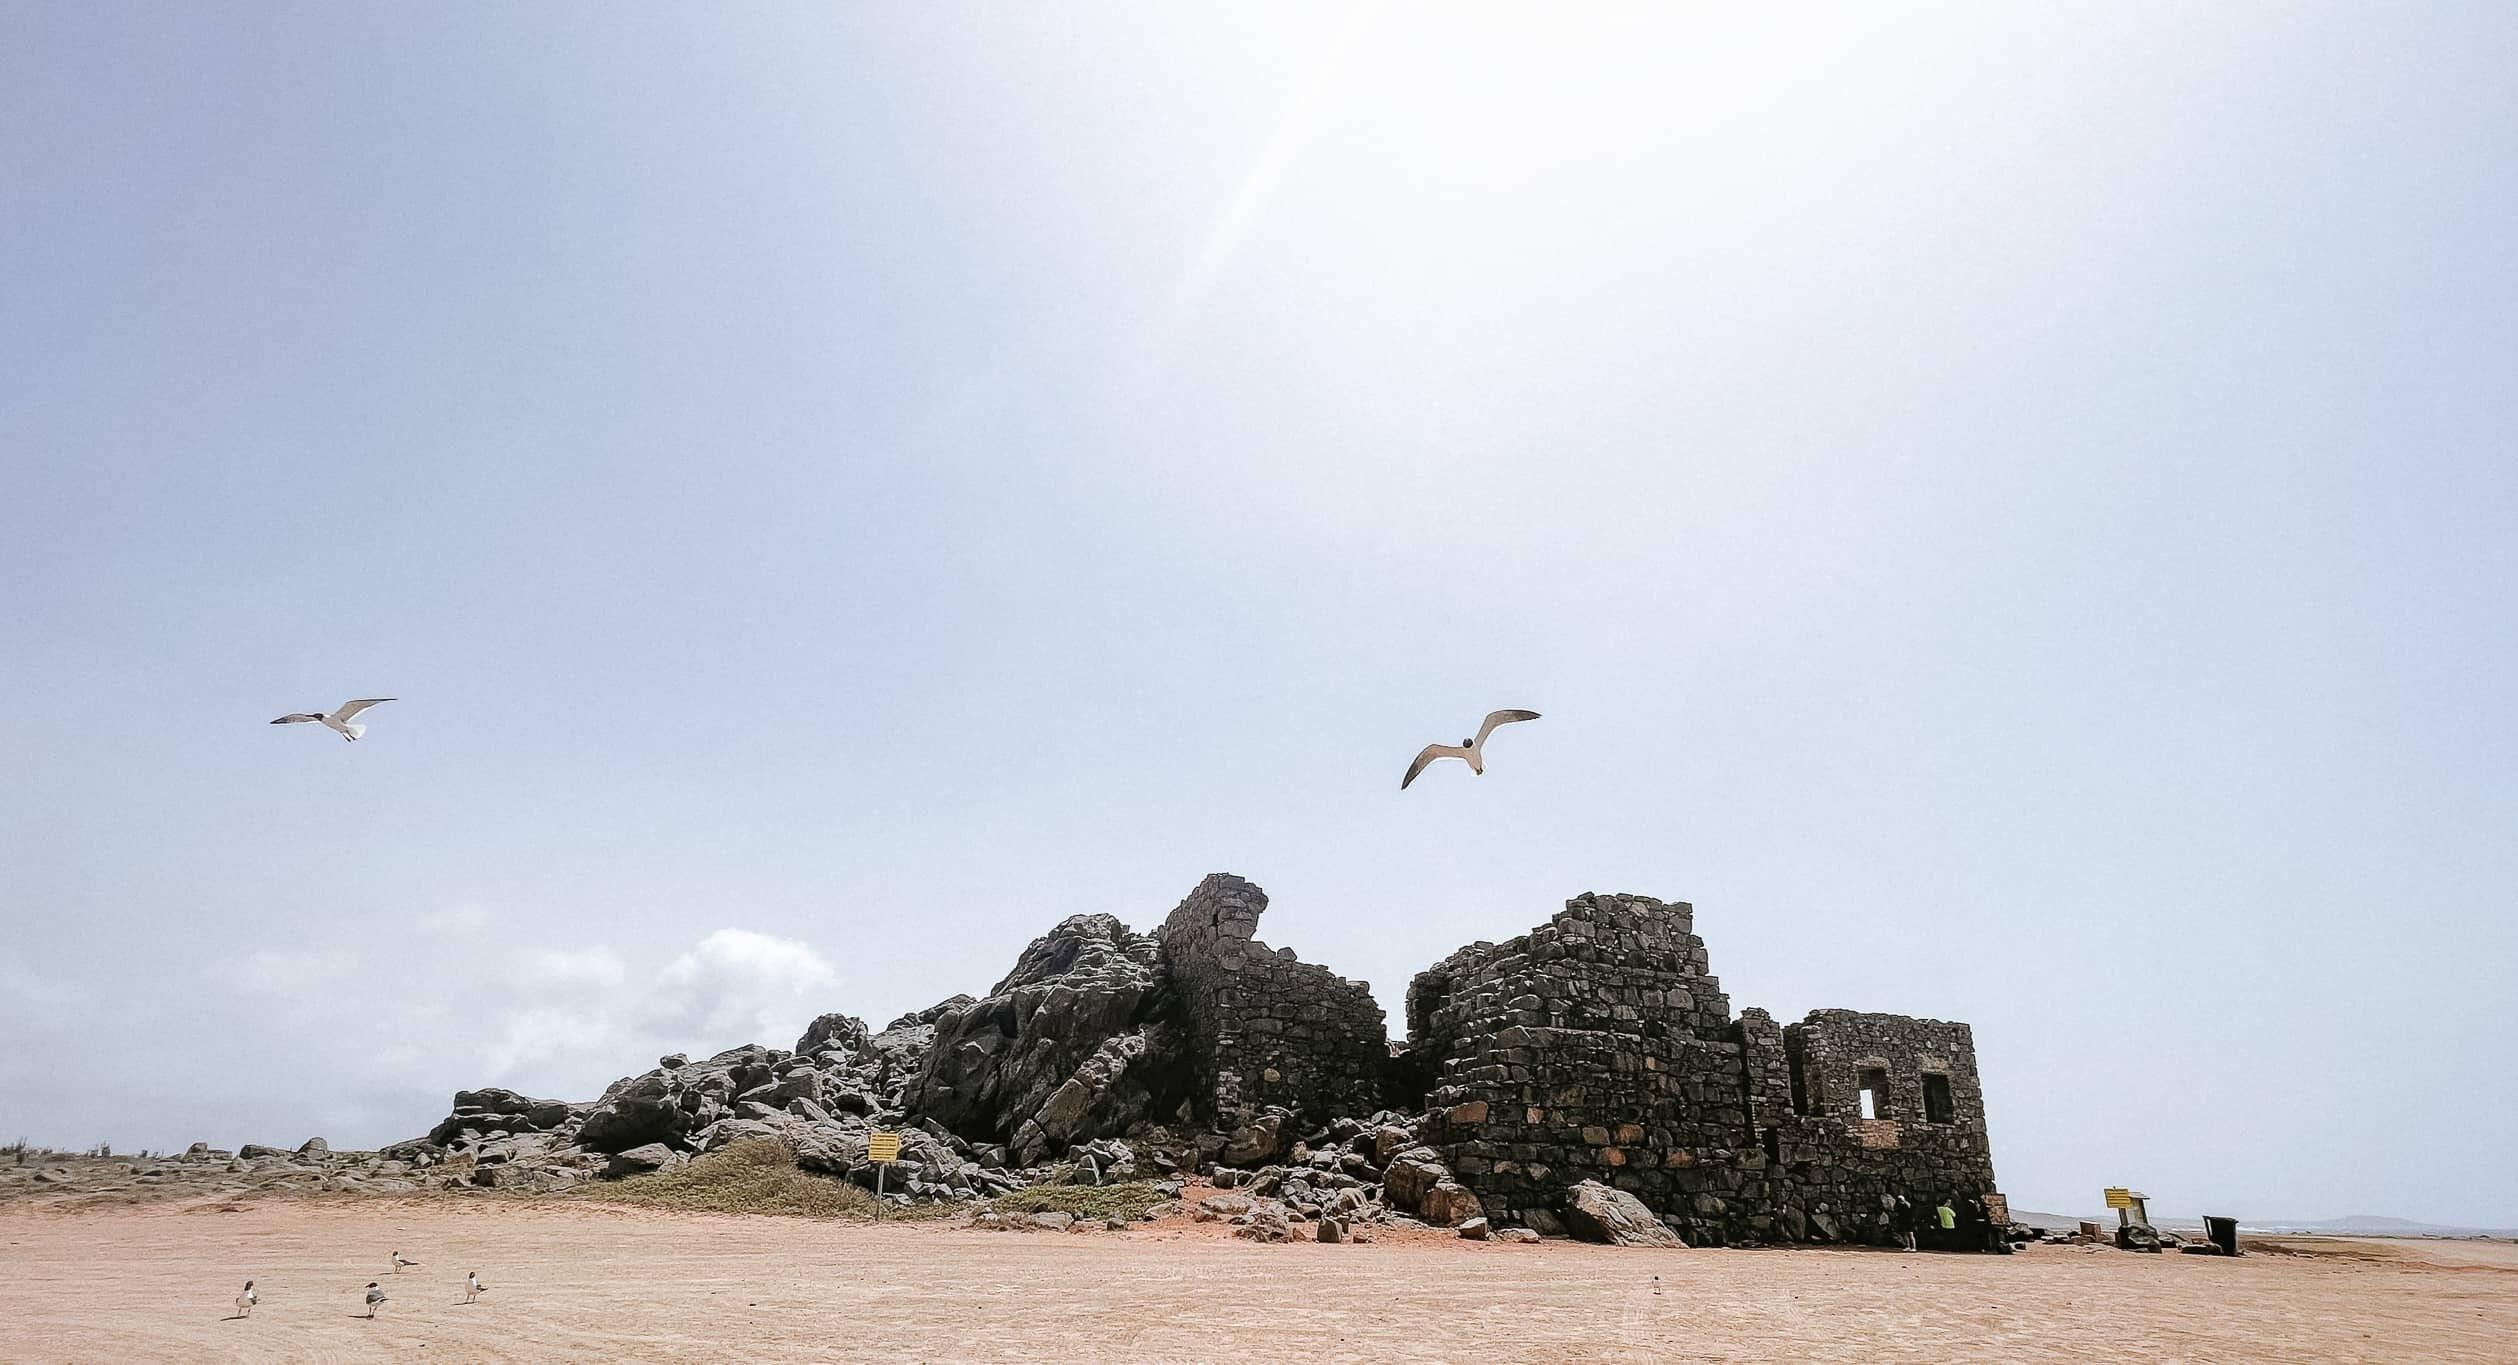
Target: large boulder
point(655, 1156)
point(1596, 1213)
point(1073, 1023)
point(1255, 1142)
point(1450, 1204)
point(845, 1033)
point(1411, 1175)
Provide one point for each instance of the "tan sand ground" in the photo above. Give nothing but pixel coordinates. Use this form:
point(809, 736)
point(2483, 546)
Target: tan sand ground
point(577, 1283)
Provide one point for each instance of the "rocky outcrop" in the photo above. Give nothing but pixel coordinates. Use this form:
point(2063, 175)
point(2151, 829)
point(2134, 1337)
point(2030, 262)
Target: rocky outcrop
point(1070, 1045)
point(1588, 1074)
point(492, 1110)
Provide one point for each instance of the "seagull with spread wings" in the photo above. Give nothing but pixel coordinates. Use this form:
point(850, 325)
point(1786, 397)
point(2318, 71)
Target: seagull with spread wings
point(339, 720)
point(1469, 751)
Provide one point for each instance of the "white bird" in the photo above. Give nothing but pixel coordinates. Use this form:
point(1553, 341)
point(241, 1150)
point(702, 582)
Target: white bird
point(472, 1286)
point(245, 1302)
point(1469, 751)
point(339, 720)
point(375, 1296)
point(399, 1263)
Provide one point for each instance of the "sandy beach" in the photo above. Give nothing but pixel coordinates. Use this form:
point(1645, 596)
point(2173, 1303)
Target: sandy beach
point(570, 1282)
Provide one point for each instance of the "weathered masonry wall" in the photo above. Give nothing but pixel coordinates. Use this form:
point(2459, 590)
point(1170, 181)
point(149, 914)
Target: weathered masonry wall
point(1925, 1139)
point(1599, 1046)
point(1266, 1028)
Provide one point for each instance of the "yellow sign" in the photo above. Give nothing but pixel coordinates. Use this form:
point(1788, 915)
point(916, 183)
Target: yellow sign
point(2120, 1199)
point(883, 1147)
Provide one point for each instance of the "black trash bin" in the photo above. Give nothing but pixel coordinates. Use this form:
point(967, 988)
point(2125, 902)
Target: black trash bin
point(2223, 1232)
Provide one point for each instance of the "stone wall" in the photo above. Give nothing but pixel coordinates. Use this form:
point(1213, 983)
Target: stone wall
point(1265, 1028)
point(1599, 1046)
point(1848, 1172)
point(1594, 1047)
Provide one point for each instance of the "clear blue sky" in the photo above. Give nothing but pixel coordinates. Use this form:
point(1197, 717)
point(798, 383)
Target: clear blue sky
point(2009, 509)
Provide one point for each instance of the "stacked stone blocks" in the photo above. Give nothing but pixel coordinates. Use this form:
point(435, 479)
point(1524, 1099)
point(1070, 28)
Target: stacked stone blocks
point(1265, 1028)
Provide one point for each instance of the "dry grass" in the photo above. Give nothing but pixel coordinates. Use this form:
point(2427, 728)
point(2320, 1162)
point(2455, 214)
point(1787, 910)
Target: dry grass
point(757, 1175)
point(2321, 1248)
point(1127, 1201)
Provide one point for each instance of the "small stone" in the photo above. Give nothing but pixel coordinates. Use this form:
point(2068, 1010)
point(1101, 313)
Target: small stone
point(1474, 1229)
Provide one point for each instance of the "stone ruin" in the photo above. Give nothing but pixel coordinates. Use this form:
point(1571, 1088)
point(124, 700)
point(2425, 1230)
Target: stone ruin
point(1598, 1046)
point(1588, 1075)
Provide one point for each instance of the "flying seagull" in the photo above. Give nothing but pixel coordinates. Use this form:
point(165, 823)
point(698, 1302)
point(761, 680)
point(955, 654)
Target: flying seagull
point(1469, 751)
point(472, 1287)
point(399, 1263)
point(338, 720)
point(375, 1296)
point(245, 1302)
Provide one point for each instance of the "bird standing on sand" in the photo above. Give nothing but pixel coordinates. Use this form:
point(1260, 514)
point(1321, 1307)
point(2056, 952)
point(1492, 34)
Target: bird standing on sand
point(339, 720)
point(399, 1263)
point(245, 1301)
point(375, 1296)
point(1469, 751)
point(472, 1286)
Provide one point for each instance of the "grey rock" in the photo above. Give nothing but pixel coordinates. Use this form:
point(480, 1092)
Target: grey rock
point(1222, 1206)
point(834, 1032)
point(1067, 1046)
point(1256, 1141)
point(1596, 1213)
point(654, 1156)
point(1269, 1221)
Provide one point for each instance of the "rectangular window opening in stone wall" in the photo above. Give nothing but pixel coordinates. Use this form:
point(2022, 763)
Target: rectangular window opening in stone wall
point(1872, 1082)
point(1937, 1105)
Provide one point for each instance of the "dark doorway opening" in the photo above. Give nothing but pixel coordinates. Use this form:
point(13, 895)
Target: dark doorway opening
point(1937, 1105)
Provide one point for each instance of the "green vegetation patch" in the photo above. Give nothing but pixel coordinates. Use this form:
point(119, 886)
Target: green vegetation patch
point(1128, 1200)
point(756, 1175)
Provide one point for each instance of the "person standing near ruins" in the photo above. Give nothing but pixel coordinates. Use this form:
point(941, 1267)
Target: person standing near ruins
point(1945, 1222)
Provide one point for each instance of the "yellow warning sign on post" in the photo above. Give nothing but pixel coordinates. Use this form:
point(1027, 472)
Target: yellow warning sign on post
point(2119, 1199)
point(883, 1147)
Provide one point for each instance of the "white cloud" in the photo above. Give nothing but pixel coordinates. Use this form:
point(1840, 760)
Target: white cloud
point(538, 1035)
point(581, 1012)
point(739, 986)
